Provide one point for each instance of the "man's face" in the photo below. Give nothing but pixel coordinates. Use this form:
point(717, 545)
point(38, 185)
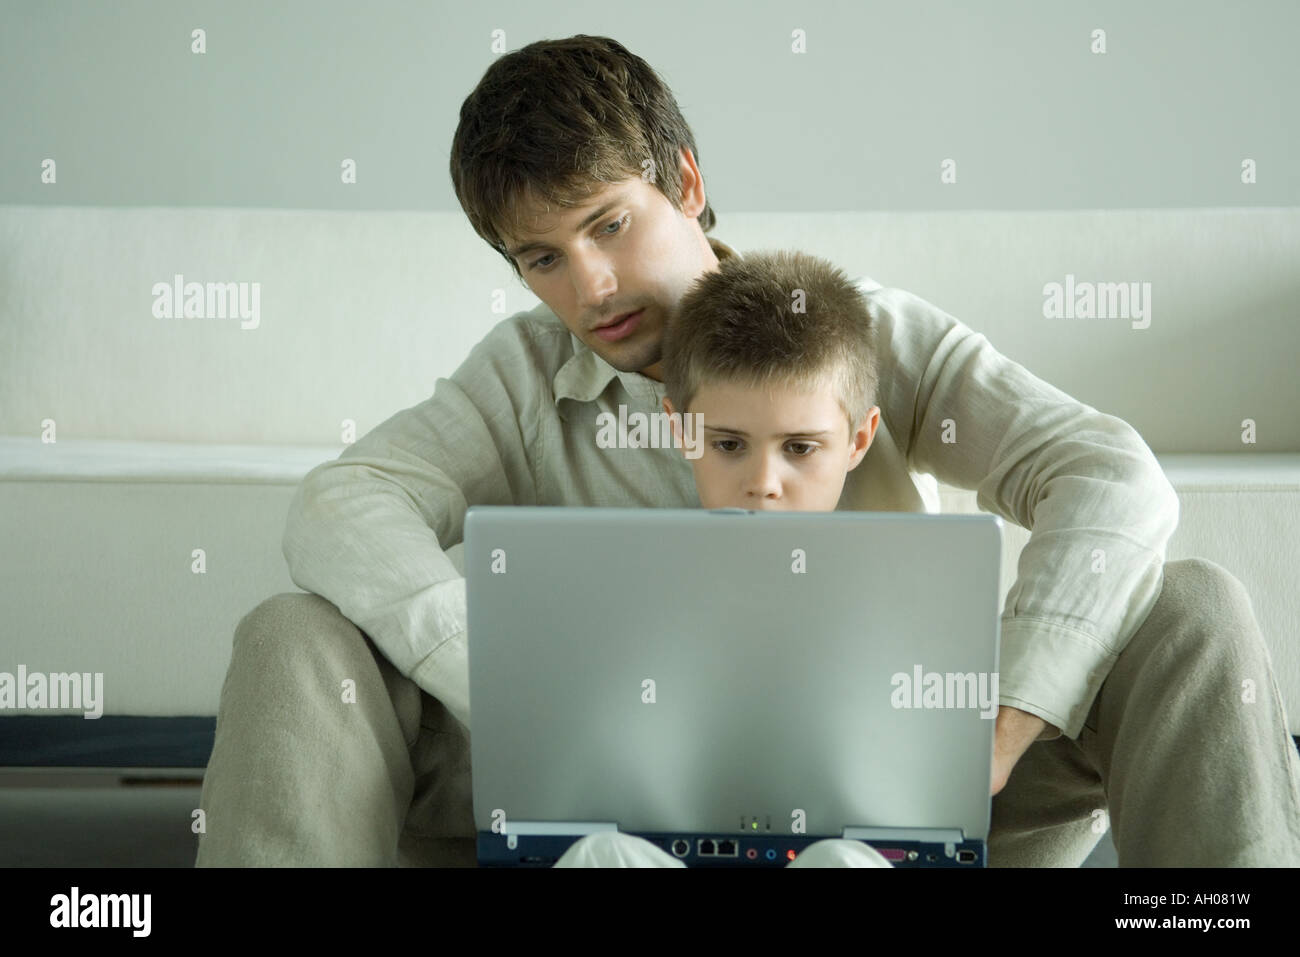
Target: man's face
point(777, 450)
point(627, 250)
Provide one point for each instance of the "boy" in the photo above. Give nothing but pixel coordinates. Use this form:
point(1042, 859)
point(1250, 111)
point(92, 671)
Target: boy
point(774, 356)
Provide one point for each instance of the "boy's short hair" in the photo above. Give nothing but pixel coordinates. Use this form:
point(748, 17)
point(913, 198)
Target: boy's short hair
point(765, 318)
point(553, 121)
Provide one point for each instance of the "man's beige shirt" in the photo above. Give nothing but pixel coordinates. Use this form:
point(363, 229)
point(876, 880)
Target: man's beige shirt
point(516, 425)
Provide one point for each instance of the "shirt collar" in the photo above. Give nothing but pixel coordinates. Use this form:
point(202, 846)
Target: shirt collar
point(586, 375)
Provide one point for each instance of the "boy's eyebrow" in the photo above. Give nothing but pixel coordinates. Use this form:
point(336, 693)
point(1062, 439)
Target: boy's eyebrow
point(788, 435)
point(603, 210)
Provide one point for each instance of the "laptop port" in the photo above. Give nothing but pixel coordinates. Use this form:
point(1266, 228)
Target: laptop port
point(727, 849)
point(681, 848)
point(965, 857)
point(706, 848)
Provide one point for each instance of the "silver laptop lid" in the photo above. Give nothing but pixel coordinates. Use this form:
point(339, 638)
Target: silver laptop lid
point(693, 670)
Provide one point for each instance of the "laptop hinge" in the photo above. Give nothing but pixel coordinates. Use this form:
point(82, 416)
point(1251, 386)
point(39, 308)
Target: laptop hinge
point(560, 828)
point(934, 835)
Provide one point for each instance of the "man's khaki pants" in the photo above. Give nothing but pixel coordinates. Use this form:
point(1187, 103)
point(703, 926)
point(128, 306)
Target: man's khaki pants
point(1177, 757)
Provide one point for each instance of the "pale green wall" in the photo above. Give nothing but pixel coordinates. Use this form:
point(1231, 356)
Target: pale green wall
point(885, 92)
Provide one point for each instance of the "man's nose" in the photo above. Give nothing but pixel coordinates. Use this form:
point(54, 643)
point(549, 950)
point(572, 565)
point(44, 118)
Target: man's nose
point(593, 279)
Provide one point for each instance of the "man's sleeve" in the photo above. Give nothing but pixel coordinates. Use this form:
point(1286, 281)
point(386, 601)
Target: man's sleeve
point(368, 530)
point(1099, 507)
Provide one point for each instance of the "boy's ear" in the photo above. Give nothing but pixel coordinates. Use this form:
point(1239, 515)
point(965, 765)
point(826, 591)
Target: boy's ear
point(864, 434)
point(676, 425)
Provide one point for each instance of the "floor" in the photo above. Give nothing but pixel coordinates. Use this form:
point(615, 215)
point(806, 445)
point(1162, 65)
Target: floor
point(84, 820)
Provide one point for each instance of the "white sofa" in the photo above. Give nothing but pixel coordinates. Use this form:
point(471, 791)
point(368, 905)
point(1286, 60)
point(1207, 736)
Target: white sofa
point(99, 565)
point(176, 435)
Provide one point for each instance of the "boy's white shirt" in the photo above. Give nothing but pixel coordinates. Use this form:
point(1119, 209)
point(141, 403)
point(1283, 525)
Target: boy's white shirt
point(515, 424)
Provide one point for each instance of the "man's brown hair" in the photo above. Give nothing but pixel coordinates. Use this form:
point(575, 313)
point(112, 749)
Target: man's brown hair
point(555, 118)
point(774, 318)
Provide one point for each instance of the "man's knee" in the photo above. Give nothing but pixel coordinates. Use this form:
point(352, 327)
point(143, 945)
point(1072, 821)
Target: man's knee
point(301, 640)
point(279, 627)
point(1201, 581)
point(1204, 609)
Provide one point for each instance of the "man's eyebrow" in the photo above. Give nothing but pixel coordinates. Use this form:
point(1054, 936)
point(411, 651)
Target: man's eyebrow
point(788, 435)
point(603, 210)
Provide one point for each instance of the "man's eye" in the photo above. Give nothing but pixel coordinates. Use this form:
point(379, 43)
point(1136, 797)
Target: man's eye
point(620, 223)
point(805, 445)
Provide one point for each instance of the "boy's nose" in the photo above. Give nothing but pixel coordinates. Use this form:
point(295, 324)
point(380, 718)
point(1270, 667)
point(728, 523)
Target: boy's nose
point(763, 482)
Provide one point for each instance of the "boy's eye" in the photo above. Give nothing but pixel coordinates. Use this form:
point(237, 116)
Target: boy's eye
point(800, 449)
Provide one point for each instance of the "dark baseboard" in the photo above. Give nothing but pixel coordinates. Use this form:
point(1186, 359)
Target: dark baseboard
point(112, 741)
point(70, 741)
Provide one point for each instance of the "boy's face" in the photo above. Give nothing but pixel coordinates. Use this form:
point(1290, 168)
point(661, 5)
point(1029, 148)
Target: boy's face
point(636, 253)
point(777, 450)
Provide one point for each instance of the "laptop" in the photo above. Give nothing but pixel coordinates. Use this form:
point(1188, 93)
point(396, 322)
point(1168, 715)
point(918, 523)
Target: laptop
point(732, 685)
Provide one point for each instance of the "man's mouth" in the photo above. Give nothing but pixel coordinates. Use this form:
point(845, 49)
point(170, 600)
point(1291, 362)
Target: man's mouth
point(620, 326)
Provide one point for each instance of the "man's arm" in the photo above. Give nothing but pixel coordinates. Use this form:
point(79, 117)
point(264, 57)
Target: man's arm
point(1099, 507)
point(1016, 730)
point(367, 531)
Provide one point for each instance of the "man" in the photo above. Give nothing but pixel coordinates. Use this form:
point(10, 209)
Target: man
point(1120, 673)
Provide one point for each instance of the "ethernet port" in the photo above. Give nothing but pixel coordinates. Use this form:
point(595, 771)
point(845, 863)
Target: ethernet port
point(705, 848)
point(727, 849)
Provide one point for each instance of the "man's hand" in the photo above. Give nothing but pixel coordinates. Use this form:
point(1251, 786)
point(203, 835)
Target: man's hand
point(1015, 732)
